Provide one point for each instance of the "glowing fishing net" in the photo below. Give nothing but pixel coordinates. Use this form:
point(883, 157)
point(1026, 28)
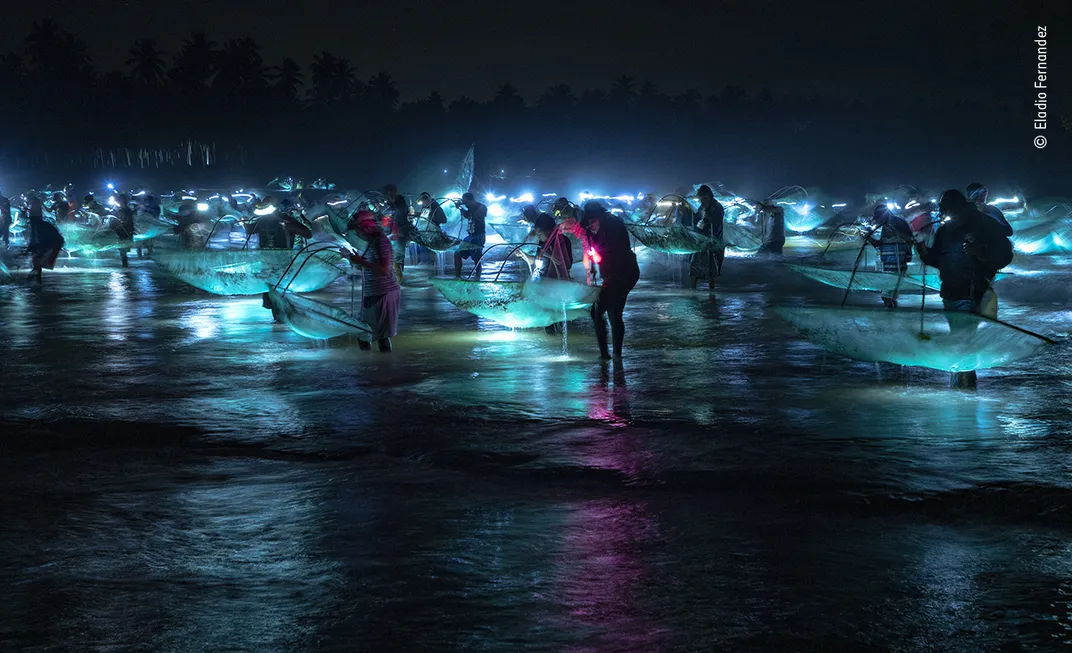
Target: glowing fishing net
point(512, 233)
point(520, 305)
point(313, 319)
point(893, 336)
point(869, 280)
point(873, 281)
point(1051, 238)
point(251, 272)
point(431, 236)
point(741, 237)
point(146, 227)
point(672, 239)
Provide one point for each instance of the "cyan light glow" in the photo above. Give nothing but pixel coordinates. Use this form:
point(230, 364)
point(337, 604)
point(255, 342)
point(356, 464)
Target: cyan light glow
point(520, 305)
point(313, 319)
point(250, 272)
point(951, 342)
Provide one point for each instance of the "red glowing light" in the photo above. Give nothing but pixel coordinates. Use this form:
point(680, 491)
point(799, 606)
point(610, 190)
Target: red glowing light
point(593, 254)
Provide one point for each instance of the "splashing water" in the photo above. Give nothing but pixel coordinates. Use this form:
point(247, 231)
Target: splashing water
point(565, 329)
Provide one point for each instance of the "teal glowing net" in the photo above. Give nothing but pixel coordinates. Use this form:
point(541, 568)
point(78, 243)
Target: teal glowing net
point(1051, 238)
point(741, 237)
point(520, 305)
point(671, 239)
point(512, 233)
point(873, 281)
point(251, 272)
point(313, 319)
point(431, 236)
point(951, 342)
point(869, 280)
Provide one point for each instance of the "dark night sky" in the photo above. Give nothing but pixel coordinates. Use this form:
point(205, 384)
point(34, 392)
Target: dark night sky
point(864, 49)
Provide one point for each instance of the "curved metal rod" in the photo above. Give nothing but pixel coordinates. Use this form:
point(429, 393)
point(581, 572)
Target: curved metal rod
point(300, 267)
point(655, 206)
point(778, 193)
point(505, 260)
point(856, 265)
point(457, 203)
point(296, 255)
point(253, 230)
point(830, 239)
point(208, 239)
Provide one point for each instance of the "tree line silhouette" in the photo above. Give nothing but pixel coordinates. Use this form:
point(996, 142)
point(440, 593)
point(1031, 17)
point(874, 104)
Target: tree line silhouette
point(263, 118)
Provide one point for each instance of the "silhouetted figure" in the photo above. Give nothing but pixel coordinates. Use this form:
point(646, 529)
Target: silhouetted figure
point(607, 242)
point(45, 241)
point(894, 245)
point(773, 217)
point(5, 220)
point(978, 193)
point(475, 213)
point(401, 233)
point(431, 210)
point(968, 251)
point(709, 221)
point(123, 226)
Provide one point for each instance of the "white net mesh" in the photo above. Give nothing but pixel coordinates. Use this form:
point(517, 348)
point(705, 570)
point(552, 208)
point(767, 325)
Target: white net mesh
point(952, 342)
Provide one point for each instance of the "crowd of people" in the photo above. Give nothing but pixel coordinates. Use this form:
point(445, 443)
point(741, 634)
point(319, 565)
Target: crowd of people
point(969, 245)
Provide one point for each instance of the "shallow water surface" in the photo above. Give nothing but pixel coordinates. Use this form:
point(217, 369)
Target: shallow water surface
point(179, 473)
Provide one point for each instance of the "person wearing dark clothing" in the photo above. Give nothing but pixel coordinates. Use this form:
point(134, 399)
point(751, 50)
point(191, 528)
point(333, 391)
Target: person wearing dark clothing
point(564, 209)
point(60, 208)
point(773, 229)
point(977, 193)
point(606, 240)
point(123, 225)
point(401, 233)
point(190, 227)
point(45, 241)
point(709, 222)
point(554, 255)
point(5, 220)
point(894, 245)
point(272, 233)
point(150, 205)
point(431, 210)
point(530, 213)
point(475, 213)
point(968, 251)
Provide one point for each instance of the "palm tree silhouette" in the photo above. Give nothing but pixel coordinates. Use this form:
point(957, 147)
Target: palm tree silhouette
point(508, 100)
point(195, 63)
point(558, 99)
point(287, 77)
point(56, 53)
point(334, 79)
point(621, 91)
point(146, 62)
point(382, 87)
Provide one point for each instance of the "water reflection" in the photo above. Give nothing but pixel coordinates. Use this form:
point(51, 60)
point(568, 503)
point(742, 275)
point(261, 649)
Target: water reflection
point(179, 471)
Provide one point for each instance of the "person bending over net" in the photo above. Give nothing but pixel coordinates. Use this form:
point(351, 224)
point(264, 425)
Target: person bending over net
point(894, 245)
point(476, 214)
point(606, 241)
